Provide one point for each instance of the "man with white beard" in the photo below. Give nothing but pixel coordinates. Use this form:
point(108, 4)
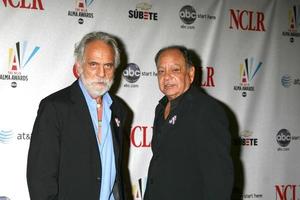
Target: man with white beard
point(76, 144)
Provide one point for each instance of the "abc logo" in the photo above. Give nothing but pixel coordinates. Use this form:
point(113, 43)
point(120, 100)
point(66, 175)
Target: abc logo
point(283, 137)
point(132, 73)
point(187, 14)
point(13, 84)
point(80, 21)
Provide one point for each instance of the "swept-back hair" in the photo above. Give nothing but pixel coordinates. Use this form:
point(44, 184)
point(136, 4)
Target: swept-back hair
point(184, 51)
point(90, 37)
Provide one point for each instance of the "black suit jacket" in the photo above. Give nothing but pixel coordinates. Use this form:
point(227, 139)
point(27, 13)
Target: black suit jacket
point(63, 159)
point(191, 152)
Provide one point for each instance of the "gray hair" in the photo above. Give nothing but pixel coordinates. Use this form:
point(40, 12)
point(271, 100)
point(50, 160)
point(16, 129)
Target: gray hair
point(183, 50)
point(105, 37)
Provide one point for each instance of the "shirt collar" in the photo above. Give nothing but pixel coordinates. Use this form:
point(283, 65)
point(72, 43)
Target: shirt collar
point(174, 102)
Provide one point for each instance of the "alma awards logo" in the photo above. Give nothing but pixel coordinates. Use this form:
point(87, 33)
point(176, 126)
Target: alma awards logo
point(293, 23)
point(18, 59)
point(138, 189)
point(248, 71)
point(81, 10)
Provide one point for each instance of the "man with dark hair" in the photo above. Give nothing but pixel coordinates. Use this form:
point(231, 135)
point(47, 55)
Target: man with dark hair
point(191, 141)
point(76, 144)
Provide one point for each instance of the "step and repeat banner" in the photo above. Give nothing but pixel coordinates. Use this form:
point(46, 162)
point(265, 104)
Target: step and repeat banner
point(248, 54)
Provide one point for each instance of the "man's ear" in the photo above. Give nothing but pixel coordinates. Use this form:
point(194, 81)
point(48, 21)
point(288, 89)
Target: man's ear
point(191, 73)
point(77, 69)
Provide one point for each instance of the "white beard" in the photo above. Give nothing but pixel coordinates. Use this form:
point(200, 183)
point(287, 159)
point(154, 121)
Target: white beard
point(92, 86)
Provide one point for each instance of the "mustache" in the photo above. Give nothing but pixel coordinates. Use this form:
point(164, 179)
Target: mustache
point(102, 80)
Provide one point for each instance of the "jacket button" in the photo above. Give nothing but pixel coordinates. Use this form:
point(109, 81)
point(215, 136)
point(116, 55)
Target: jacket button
point(98, 178)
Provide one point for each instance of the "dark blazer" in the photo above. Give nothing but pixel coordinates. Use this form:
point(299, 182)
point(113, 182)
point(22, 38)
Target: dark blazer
point(63, 159)
point(191, 157)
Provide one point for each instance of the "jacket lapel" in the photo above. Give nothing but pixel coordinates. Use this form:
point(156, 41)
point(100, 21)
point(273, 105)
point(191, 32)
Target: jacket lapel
point(84, 117)
point(81, 108)
point(170, 125)
point(115, 124)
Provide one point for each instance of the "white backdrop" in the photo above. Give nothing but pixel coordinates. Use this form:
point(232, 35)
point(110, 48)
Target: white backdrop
point(250, 59)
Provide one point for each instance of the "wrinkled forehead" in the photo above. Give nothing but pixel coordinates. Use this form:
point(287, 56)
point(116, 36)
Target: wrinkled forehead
point(171, 57)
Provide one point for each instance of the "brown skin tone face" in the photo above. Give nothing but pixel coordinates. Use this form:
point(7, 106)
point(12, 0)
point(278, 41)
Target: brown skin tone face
point(174, 77)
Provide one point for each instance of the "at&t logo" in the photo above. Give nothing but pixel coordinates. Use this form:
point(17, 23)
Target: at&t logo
point(4, 198)
point(287, 81)
point(18, 59)
point(287, 192)
point(6, 136)
point(248, 71)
